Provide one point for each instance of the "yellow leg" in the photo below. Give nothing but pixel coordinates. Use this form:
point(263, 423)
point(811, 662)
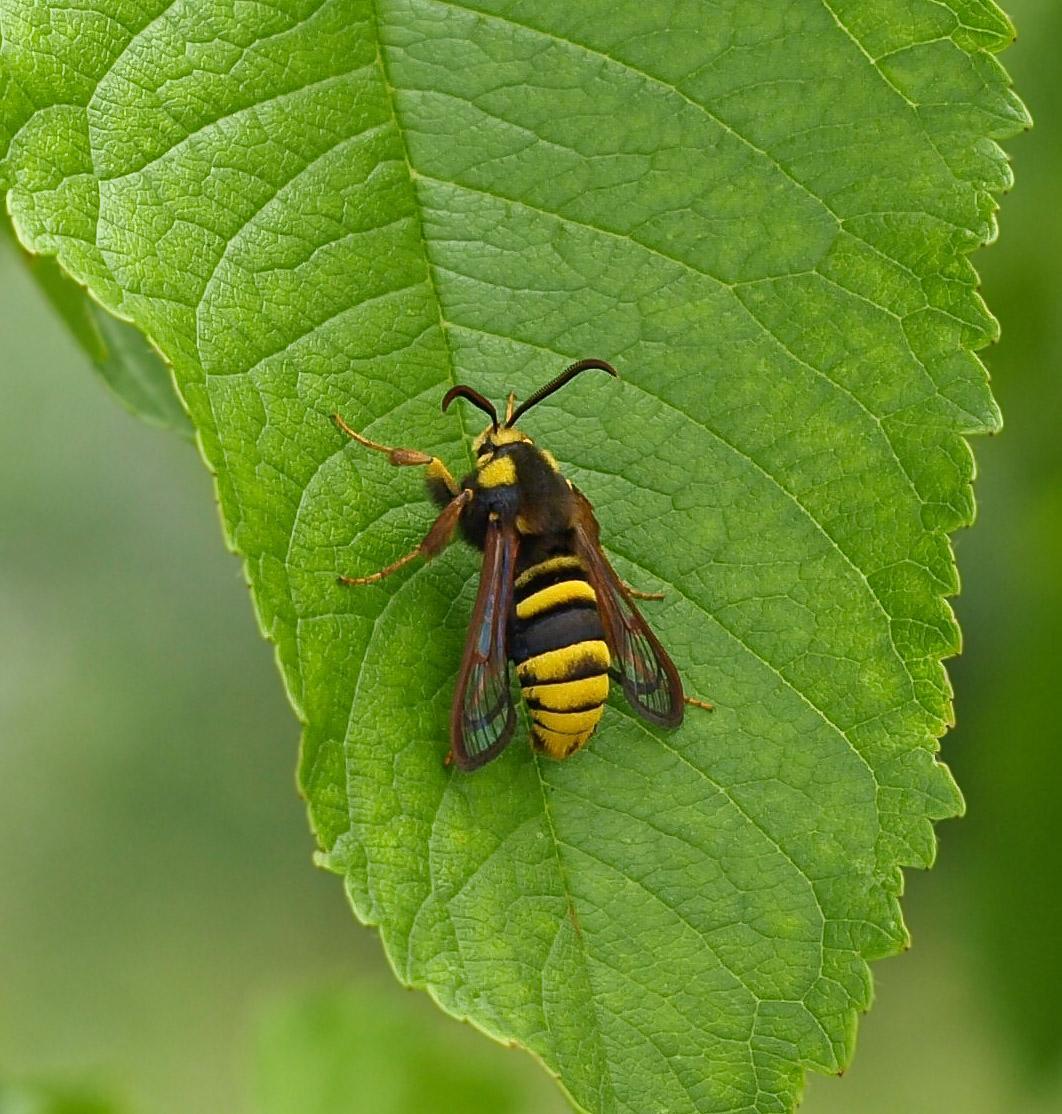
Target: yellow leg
point(698, 703)
point(434, 541)
point(401, 457)
point(635, 594)
point(373, 577)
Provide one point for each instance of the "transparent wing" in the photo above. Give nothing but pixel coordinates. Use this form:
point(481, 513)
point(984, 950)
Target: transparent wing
point(483, 715)
point(648, 676)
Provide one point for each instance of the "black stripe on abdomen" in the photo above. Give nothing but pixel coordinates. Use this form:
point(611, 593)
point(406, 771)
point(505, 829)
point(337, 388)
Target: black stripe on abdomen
point(559, 569)
point(566, 625)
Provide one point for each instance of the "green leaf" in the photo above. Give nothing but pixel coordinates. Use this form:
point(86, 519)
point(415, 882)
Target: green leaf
point(118, 351)
point(760, 213)
point(363, 1048)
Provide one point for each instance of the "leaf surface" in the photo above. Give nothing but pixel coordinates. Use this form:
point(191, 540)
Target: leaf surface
point(760, 213)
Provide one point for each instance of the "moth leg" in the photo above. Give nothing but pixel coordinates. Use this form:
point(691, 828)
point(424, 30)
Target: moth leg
point(635, 594)
point(434, 542)
point(694, 703)
point(437, 471)
point(510, 406)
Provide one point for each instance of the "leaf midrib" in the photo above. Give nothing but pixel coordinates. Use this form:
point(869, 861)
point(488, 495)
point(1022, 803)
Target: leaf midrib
point(568, 895)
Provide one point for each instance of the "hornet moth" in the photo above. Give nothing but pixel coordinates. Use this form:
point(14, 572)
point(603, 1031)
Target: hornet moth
point(548, 599)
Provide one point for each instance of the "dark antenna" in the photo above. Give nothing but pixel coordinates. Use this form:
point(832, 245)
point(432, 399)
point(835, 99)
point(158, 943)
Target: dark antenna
point(474, 397)
point(566, 376)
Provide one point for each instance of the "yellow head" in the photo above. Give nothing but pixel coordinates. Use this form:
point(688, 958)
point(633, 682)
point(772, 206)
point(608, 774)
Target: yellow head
point(495, 436)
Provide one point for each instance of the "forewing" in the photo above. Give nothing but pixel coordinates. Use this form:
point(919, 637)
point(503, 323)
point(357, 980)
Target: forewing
point(483, 715)
point(648, 676)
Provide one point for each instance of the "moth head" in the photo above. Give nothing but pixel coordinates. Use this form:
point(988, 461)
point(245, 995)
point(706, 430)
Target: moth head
point(490, 439)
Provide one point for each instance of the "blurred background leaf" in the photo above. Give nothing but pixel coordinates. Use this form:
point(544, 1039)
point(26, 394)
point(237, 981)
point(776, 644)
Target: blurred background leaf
point(125, 360)
point(335, 1050)
point(30, 1098)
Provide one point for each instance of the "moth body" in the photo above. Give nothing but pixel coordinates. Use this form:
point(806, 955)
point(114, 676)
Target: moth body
point(548, 599)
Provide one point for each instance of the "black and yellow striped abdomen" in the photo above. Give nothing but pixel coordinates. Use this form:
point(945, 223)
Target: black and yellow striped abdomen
point(558, 645)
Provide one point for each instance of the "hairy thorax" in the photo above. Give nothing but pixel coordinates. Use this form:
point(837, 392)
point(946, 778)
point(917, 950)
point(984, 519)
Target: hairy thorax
point(520, 484)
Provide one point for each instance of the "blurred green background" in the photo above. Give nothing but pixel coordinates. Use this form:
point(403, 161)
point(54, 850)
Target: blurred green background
point(164, 938)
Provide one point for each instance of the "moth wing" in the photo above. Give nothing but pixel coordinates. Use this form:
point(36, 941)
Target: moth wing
point(648, 676)
point(483, 715)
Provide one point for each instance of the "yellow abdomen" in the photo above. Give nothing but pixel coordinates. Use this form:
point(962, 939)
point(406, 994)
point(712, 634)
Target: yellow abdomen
point(561, 657)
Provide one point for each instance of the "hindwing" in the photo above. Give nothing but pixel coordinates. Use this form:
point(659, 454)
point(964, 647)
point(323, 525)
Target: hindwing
point(648, 676)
